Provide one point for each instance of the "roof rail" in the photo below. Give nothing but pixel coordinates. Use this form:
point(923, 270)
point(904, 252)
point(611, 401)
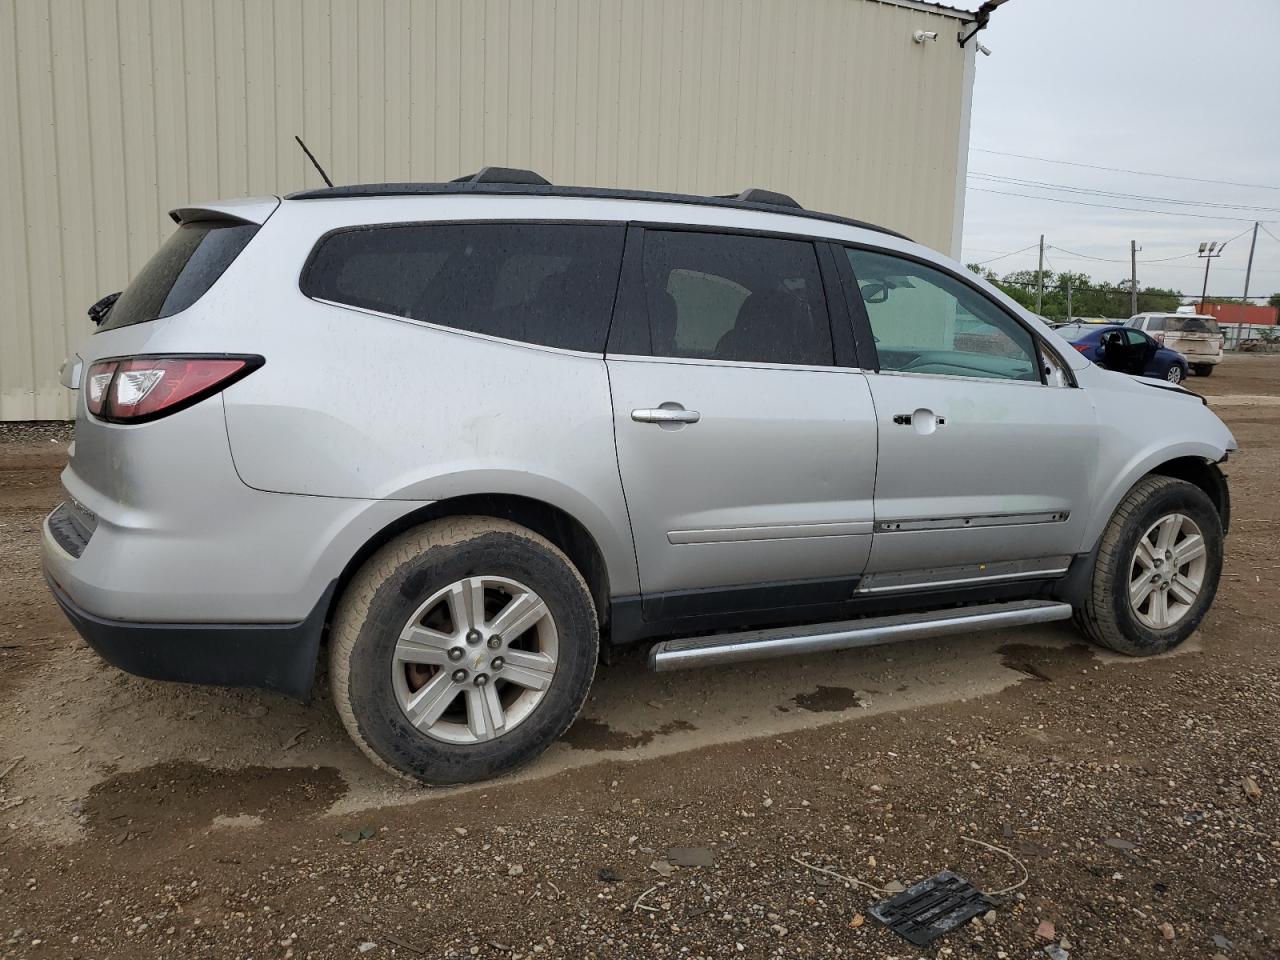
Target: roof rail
point(757, 195)
point(504, 175)
point(514, 182)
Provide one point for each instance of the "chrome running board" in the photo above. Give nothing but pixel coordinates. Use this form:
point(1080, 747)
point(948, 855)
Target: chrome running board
point(786, 641)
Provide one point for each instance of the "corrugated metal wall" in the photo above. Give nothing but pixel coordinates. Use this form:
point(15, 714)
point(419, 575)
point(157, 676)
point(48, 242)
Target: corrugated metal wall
point(114, 111)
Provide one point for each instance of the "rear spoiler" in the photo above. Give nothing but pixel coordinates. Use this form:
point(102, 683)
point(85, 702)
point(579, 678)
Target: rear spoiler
point(243, 210)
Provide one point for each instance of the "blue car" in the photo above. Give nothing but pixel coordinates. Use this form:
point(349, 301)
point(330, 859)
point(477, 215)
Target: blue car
point(1125, 349)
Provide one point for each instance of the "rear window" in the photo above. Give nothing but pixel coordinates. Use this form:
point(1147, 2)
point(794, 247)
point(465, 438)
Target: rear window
point(1191, 325)
point(549, 284)
point(1073, 331)
point(181, 272)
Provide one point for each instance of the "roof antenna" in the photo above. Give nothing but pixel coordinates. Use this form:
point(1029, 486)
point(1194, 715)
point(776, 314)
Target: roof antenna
point(312, 157)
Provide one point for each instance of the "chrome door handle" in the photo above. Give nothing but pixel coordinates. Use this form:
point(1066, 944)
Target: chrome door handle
point(664, 415)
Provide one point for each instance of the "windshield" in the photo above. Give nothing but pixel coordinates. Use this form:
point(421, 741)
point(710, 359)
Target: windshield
point(1191, 325)
point(182, 270)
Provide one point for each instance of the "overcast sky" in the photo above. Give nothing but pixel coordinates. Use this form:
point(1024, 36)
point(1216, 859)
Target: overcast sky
point(1184, 87)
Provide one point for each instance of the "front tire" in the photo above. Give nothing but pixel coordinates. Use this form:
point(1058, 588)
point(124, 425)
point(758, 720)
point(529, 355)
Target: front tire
point(1157, 569)
point(1174, 374)
point(1203, 369)
point(462, 649)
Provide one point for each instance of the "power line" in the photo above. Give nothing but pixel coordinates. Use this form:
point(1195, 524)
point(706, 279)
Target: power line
point(1269, 233)
point(1003, 255)
point(1143, 173)
point(1066, 188)
point(1108, 206)
point(1181, 256)
point(1121, 260)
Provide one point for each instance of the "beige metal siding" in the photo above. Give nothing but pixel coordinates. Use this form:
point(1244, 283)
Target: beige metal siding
point(115, 111)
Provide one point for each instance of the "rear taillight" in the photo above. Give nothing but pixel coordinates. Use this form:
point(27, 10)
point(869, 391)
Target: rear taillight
point(137, 389)
point(1082, 347)
point(1159, 337)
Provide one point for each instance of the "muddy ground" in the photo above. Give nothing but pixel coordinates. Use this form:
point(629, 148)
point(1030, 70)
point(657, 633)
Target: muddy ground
point(140, 819)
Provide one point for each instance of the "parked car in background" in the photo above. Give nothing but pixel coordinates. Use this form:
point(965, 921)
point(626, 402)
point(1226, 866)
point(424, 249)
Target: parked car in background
point(470, 432)
point(1193, 335)
point(1143, 355)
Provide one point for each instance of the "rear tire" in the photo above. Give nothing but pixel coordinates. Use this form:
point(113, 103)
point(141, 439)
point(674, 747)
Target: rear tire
point(1157, 569)
point(1174, 374)
point(1203, 369)
point(417, 640)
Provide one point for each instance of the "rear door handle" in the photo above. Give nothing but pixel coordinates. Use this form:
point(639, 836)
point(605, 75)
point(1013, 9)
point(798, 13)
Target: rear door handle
point(665, 415)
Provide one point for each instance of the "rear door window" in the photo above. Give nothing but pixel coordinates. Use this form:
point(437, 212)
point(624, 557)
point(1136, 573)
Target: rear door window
point(181, 272)
point(733, 297)
point(547, 284)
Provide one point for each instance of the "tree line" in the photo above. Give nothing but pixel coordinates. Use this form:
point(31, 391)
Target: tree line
point(1088, 298)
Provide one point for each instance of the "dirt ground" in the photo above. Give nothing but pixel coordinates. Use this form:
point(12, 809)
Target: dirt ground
point(140, 819)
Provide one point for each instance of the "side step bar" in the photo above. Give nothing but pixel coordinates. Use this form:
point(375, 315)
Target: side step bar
point(785, 641)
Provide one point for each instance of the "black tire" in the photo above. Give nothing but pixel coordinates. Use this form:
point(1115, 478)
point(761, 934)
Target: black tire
point(1203, 369)
point(1106, 616)
point(383, 596)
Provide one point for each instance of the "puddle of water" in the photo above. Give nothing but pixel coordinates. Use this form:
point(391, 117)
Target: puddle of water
point(1046, 664)
point(180, 794)
point(827, 699)
point(588, 733)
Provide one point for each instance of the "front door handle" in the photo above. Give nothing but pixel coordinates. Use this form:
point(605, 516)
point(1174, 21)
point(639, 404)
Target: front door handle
point(666, 415)
point(924, 420)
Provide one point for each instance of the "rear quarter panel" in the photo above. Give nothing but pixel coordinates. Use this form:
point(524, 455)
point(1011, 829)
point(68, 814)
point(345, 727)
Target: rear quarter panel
point(356, 404)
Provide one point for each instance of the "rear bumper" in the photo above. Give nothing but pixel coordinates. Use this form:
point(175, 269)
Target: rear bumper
point(272, 656)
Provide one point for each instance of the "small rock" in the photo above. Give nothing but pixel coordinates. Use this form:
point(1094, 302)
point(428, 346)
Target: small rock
point(608, 875)
point(989, 917)
point(515, 870)
point(1251, 789)
point(871, 862)
point(1046, 930)
point(893, 886)
point(857, 920)
point(661, 868)
point(1221, 942)
point(366, 946)
point(767, 802)
point(1115, 843)
point(1166, 930)
point(1056, 952)
point(460, 831)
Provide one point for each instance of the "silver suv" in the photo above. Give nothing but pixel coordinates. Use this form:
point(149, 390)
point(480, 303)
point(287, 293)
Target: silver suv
point(470, 432)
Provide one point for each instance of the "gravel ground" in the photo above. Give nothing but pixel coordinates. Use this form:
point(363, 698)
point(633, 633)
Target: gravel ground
point(1142, 798)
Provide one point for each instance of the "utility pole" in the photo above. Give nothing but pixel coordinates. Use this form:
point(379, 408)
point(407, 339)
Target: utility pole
point(1248, 272)
point(1040, 278)
point(1069, 298)
point(1133, 278)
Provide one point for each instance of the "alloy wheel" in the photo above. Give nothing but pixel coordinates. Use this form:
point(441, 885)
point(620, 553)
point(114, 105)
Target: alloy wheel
point(1174, 375)
point(475, 660)
point(1167, 572)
